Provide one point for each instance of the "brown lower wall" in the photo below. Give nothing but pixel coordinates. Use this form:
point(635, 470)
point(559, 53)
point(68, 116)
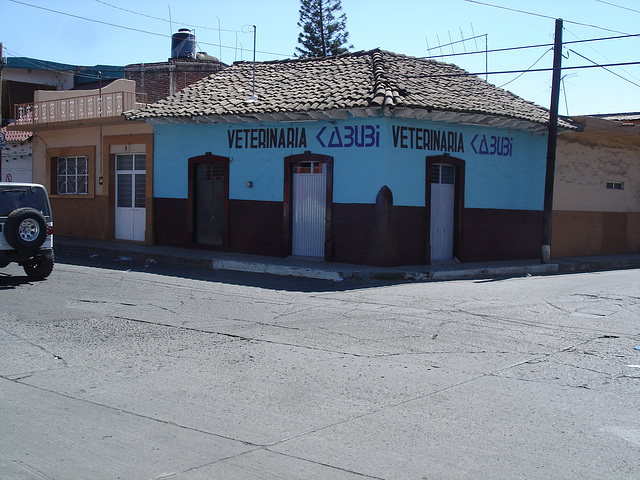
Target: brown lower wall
point(256, 227)
point(170, 221)
point(492, 234)
point(359, 237)
point(594, 233)
point(82, 218)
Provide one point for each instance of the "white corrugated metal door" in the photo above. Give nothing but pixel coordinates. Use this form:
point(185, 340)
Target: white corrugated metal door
point(442, 211)
point(309, 209)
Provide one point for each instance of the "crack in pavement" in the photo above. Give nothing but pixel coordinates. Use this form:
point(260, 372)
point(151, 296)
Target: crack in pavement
point(266, 449)
point(135, 414)
point(244, 338)
point(35, 345)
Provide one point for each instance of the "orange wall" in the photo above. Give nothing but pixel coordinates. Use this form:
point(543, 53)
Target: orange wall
point(595, 233)
point(92, 215)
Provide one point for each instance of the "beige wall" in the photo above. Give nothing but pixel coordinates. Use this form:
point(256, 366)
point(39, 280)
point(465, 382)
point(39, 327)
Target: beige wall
point(585, 161)
point(588, 218)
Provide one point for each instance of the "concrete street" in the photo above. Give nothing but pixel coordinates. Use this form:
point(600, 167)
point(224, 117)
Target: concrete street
point(126, 370)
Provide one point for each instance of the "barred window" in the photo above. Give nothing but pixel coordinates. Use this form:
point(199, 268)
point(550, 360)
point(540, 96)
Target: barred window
point(73, 175)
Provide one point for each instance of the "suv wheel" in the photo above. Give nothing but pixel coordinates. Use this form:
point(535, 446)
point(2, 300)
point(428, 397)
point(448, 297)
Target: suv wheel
point(40, 267)
point(25, 228)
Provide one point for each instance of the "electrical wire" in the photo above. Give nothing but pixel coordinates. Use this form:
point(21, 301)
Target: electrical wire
point(464, 74)
point(527, 70)
point(524, 47)
point(604, 67)
point(603, 56)
point(577, 67)
point(618, 6)
point(543, 16)
point(129, 28)
point(164, 19)
point(521, 72)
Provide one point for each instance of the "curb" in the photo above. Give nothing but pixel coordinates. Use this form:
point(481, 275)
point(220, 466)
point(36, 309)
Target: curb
point(283, 270)
point(558, 266)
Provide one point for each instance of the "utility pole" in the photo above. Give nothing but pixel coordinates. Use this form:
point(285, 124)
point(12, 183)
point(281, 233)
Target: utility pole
point(551, 144)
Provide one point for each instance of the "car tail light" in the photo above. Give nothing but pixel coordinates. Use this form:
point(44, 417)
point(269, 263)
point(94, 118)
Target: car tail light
point(49, 229)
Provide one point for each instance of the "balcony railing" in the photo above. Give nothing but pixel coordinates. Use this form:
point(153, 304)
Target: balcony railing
point(78, 108)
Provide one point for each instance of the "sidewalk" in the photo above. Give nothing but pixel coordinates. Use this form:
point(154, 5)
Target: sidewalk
point(296, 267)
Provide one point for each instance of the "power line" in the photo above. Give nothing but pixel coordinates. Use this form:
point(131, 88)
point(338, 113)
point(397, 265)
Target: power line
point(618, 6)
point(164, 19)
point(527, 70)
point(578, 67)
point(127, 28)
point(523, 47)
point(604, 56)
point(88, 19)
point(542, 16)
point(464, 74)
point(604, 67)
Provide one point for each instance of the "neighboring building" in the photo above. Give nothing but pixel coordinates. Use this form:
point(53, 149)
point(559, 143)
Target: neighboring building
point(15, 157)
point(98, 167)
point(23, 76)
point(625, 118)
point(596, 208)
point(81, 138)
point(368, 157)
point(158, 80)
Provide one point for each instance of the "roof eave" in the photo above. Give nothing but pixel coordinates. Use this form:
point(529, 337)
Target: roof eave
point(461, 118)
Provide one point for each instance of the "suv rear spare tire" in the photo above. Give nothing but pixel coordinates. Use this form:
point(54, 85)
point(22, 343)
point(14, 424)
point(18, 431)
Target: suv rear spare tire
point(25, 228)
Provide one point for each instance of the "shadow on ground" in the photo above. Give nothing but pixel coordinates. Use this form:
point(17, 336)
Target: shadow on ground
point(259, 280)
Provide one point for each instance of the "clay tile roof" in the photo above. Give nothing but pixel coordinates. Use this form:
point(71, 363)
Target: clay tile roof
point(375, 79)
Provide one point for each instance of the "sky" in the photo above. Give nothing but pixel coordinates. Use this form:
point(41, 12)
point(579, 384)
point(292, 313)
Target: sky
point(122, 32)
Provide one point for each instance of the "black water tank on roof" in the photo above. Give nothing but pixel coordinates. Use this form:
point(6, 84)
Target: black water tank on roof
point(183, 44)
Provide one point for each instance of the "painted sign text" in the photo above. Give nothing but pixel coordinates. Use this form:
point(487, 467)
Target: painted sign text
point(427, 139)
point(492, 145)
point(268, 138)
point(347, 136)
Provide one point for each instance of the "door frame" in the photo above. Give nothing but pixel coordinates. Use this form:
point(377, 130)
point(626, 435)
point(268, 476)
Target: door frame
point(193, 162)
point(458, 202)
point(287, 220)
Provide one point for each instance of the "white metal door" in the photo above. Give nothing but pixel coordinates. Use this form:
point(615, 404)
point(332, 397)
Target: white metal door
point(442, 211)
point(130, 197)
point(309, 209)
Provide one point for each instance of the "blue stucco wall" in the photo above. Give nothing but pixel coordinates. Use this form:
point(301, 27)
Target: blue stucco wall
point(504, 169)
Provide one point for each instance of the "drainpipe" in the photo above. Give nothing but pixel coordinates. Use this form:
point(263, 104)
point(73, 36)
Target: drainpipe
point(551, 145)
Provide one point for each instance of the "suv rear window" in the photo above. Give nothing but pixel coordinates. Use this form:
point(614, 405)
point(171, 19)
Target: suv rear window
point(16, 197)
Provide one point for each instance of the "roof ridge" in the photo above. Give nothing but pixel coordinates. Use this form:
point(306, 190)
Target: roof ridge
point(384, 93)
point(359, 53)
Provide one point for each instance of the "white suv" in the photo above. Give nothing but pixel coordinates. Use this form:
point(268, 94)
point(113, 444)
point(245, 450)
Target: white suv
point(26, 228)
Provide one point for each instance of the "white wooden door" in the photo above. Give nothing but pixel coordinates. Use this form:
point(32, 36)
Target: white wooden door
point(309, 209)
point(442, 211)
point(130, 197)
